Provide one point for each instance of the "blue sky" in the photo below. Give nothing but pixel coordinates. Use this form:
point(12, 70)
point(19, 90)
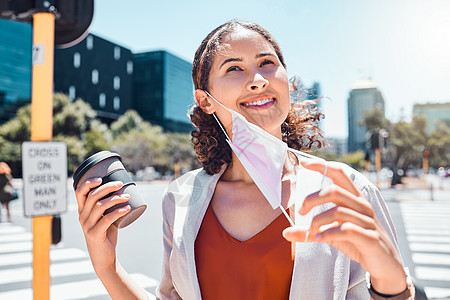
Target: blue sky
point(403, 45)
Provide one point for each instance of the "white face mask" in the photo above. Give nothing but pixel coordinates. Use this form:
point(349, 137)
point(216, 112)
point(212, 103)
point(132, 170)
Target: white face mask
point(262, 155)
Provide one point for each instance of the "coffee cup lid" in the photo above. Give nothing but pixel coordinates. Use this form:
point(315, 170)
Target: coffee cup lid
point(90, 162)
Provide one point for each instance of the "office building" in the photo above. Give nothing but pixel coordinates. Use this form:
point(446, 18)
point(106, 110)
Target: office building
point(99, 72)
point(163, 89)
point(15, 67)
point(433, 113)
point(363, 96)
point(108, 76)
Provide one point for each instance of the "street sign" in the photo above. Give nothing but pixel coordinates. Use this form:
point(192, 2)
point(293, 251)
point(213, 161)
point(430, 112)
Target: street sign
point(44, 166)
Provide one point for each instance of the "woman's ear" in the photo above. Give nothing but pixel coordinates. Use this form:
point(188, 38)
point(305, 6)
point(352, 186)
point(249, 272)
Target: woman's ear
point(204, 102)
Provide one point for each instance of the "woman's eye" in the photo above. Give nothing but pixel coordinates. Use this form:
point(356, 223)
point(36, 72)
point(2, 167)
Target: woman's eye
point(234, 68)
point(267, 62)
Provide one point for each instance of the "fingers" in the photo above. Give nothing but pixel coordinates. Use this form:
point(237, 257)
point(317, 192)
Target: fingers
point(339, 215)
point(294, 234)
point(336, 174)
point(101, 206)
point(89, 198)
point(338, 196)
point(349, 232)
point(82, 191)
point(107, 220)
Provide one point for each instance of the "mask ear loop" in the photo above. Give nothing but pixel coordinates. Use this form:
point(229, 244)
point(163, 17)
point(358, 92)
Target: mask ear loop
point(215, 117)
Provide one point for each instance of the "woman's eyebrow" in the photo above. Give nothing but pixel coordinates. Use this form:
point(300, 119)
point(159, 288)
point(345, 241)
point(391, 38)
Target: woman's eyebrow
point(264, 54)
point(229, 60)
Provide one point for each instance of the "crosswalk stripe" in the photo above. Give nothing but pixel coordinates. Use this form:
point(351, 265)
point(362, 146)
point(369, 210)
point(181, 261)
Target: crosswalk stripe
point(19, 237)
point(437, 293)
point(431, 259)
point(429, 239)
point(427, 232)
point(433, 273)
point(16, 247)
point(76, 290)
point(429, 247)
point(11, 229)
point(55, 255)
point(56, 270)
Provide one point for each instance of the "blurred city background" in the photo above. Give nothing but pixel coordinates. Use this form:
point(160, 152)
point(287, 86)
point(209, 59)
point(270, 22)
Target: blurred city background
point(381, 70)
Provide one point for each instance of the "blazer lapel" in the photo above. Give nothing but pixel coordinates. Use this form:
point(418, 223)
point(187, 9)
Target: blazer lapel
point(192, 199)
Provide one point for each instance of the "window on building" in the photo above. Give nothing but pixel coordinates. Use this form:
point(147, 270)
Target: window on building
point(116, 83)
point(76, 60)
point(116, 103)
point(89, 42)
point(72, 93)
point(130, 67)
point(116, 53)
point(102, 100)
point(94, 76)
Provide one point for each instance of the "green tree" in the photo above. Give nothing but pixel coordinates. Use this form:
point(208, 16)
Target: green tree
point(76, 151)
point(73, 123)
point(374, 120)
point(74, 119)
point(439, 146)
point(408, 142)
point(97, 138)
point(354, 159)
point(18, 129)
point(127, 122)
point(180, 148)
point(142, 147)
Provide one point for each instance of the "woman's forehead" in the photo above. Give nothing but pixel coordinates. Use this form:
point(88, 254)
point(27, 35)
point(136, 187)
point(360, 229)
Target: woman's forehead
point(242, 40)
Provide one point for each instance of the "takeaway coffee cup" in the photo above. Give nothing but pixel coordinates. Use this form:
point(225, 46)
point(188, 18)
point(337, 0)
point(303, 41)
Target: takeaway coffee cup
point(108, 166)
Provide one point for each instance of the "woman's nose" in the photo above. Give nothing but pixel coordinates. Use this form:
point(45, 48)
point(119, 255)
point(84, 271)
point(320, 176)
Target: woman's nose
point(258, 82)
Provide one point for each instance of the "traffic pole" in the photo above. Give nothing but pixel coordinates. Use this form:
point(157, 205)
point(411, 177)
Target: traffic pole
point(378, 164)
point(41, 131)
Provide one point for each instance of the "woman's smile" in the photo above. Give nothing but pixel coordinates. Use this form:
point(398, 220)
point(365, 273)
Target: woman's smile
point(259, 103)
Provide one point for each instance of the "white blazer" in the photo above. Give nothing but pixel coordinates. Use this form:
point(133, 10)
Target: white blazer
point(320, 270)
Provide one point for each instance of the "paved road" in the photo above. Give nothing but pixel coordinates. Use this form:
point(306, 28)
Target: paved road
point(423, 228)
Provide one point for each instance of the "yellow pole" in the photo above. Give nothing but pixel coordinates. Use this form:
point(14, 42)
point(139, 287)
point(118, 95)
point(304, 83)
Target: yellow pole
point(41, 130)
point(425, 165)
point(378, 164)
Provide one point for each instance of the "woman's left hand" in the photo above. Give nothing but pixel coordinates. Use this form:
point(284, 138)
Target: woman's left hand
point(353, 228)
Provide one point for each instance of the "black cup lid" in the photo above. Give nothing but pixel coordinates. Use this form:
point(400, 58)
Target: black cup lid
point(90, 162)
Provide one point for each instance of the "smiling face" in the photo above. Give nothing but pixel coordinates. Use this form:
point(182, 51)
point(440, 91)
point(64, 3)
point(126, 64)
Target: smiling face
point(248, 77)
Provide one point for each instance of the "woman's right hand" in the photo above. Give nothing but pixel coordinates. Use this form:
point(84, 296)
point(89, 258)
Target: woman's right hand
point(100, 234)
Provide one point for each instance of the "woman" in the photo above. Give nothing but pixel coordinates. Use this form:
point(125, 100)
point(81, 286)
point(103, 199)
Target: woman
point(222, 239)
point(5, 187)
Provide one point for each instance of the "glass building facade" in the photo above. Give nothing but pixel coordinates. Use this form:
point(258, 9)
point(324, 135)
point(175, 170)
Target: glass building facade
point(99, 72)
point(109, 77)
point(364, 96)
point(163, 89)
point(433, 113)
point(15, 67)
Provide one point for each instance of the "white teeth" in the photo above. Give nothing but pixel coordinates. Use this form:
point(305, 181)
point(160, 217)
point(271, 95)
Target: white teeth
point(260, 102)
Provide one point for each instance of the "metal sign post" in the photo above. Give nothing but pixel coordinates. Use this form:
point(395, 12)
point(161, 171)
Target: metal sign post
point(41, 131)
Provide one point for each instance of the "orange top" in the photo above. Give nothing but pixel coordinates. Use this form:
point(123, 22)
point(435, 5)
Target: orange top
point(258, 268)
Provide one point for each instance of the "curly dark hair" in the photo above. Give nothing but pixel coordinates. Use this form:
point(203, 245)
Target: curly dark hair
point(300, 129)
